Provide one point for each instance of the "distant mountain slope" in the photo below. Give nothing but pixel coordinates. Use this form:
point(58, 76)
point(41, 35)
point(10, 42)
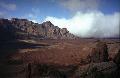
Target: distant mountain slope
point(25, 29)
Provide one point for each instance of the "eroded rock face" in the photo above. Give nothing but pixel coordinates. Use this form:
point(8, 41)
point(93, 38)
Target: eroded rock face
point(25, 29)
point(97, 70)
point(99, 53)
point(117, 58)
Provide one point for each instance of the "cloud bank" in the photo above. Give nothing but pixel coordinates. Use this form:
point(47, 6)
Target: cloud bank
point(90, 24)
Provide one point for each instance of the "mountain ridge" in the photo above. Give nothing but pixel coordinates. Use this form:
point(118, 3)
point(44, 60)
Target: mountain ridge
point(25, 29)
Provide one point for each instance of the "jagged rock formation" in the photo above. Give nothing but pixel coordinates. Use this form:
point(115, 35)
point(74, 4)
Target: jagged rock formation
point(99, 53)
point(25, 29)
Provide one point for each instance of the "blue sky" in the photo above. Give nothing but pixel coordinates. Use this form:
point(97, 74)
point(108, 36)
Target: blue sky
point(43, 8)
point(39, 8)
point(66, 13)
point(110, 6)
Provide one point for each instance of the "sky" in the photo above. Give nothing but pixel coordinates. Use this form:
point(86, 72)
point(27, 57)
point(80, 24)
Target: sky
point(84, 18)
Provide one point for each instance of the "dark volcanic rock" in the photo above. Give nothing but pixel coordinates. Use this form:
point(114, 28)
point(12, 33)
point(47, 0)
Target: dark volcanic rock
point(25, 29)
point(99, 53)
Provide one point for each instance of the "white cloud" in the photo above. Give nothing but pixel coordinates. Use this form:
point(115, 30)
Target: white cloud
point(90, 24)
point(36, 10)
point(33, 15)
point(84, 5)
point(1, 14)
point(30, 15)
point(33, 20)
point(8, 6)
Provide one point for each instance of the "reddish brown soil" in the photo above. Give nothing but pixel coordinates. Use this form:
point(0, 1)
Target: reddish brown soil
point(63, 52)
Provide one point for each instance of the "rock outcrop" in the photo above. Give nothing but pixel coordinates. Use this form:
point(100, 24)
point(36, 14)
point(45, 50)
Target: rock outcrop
point(25, 29)
point(97, 70)
point(117, 58)
point(99, 53)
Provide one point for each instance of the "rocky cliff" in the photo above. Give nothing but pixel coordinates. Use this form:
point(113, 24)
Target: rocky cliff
point(25, 29)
